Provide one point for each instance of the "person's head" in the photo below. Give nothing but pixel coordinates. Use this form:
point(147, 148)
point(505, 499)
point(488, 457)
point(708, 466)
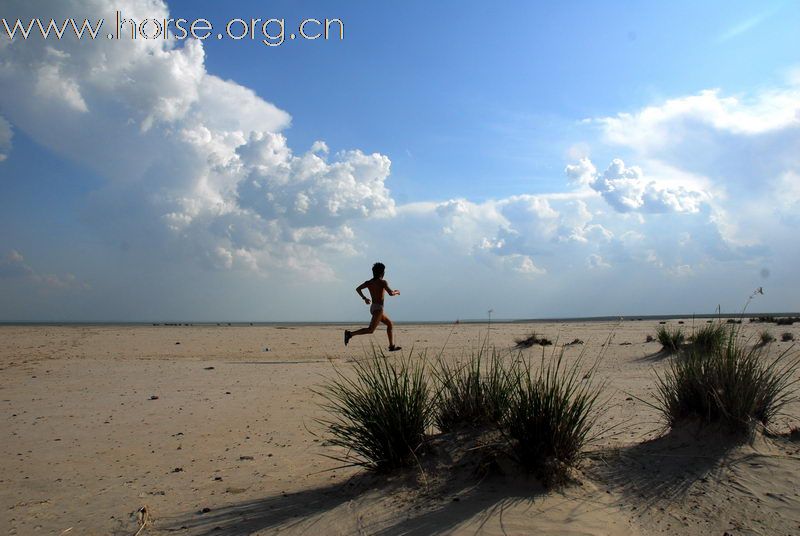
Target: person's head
point(378, 269)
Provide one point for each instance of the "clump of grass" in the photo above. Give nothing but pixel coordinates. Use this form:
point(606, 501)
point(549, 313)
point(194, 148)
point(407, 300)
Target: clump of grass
point(381, 414)
point(532, 340)
point(649, 338)
point(670, 339)
point(733, 386)
point(550, 418)
point(765, 337)
point(787, 337)
point(475, 393)
point(709, 338)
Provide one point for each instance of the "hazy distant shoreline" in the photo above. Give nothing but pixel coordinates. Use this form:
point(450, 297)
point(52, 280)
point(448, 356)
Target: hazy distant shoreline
point(184, 323)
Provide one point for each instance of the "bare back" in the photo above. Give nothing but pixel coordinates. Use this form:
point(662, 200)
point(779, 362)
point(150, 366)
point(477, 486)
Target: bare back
point(377, 288)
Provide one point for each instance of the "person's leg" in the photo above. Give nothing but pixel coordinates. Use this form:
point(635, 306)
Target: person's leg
point(373, 325)
point(386, 320)
point(390, 333)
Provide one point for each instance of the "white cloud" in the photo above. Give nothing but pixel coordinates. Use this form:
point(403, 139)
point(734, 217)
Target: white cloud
point(194, 164)
point(13, 266)
point(523, 264)
point(740, 151)
point(658, 223)
point(5, 138)
point(733, 147)
point(786, 190)
point(511, 232)
point(225, 106)
point(52, 83)
point(676, 120)
point(683, 270)
point(583, 173)
point(309, 190)
point(595, 261)
point(626, 189)
point(746, 25)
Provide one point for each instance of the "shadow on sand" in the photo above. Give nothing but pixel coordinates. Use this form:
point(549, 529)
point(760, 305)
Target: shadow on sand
point(666, 468)
point(477, 503)
point(448, 492)
point(450, 495)
point(655, 357)
point(283, 510)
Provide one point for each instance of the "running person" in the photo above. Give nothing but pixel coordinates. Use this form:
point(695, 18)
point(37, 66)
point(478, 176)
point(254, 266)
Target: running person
point(376, 286)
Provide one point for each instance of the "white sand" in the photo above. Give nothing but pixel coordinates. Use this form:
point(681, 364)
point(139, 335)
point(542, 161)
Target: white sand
point(84, 446)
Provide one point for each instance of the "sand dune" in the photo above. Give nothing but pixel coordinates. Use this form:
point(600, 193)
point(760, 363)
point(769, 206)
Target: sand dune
point(215, 435)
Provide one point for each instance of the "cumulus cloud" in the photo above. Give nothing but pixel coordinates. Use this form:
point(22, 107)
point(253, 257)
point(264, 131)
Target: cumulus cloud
point(627, 190)
point(786, 190)
point(5, 138)
point(13, 266)
point(595, 261)
point(737, 144)
point(742, 150)
point(671, 122)
point(521, 234)
point(583, 173)
point(561, 233)
point(618, 217)
point(197, 165)
point(309, 190)
point(523, 264)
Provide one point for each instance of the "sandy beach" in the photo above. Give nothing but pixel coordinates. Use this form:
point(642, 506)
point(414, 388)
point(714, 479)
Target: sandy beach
point(214, 434)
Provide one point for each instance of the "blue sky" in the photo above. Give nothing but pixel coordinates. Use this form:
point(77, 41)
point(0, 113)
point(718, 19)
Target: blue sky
point(489, 85)
point(541, 159)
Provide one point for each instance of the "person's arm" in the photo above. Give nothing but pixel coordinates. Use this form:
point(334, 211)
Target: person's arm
point(389, 290)
point(361, 287)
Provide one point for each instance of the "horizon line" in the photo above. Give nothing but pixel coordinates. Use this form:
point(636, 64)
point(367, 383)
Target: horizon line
point(225, 323)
